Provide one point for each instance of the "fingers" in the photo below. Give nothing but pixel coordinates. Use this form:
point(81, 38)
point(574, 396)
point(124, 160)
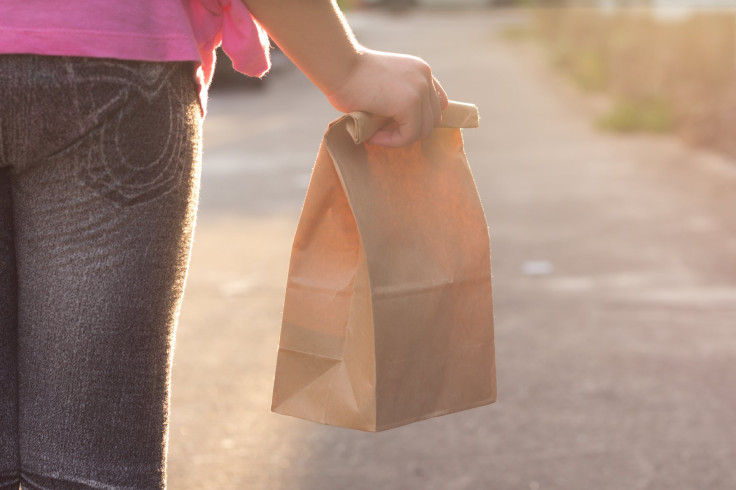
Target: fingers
point(430, 117)
point(433, 102)
point(385, 137)
point(396, 134)
point(416, 121)
point(400, 132)
point(399, 87)
point(442, 96)
point(436, 107)
point(419, 118)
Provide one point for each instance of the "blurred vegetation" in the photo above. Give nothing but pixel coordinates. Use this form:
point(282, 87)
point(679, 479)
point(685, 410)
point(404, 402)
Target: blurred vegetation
point(346, 5)
point(651, 115)
point(586, 66)
point(661, 74)
point(517, 32)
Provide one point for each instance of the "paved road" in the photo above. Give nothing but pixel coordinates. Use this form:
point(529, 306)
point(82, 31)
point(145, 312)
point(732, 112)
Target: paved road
point(615, 289)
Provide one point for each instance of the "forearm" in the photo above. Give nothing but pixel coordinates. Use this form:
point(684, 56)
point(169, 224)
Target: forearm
point(313, 34)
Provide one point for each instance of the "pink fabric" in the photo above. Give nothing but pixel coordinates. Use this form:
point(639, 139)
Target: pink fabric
point(228, 22)
point(148, 30)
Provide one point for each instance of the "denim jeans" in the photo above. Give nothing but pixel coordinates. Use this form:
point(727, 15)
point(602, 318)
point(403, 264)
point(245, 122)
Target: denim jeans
point(99, 181)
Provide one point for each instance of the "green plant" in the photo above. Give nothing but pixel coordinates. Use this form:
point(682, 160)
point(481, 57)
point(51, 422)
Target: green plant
point(588, 68)
point(650, 115)
point(345, 5)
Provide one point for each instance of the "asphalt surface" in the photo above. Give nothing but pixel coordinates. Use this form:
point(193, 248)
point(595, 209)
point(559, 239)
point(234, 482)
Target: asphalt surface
point(615, 291)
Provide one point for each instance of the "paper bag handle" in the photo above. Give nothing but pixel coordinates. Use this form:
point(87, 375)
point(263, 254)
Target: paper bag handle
point(455, 115)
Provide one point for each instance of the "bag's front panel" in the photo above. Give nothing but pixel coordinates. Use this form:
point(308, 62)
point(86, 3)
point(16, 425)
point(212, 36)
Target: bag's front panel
point(417, 210)
point(427, 249)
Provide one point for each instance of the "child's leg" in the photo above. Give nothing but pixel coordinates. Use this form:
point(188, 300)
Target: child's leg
point(104, 197)
point(9, 468)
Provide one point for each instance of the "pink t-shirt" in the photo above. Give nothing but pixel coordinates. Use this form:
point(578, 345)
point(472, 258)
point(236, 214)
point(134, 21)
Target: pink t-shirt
point(147, 30)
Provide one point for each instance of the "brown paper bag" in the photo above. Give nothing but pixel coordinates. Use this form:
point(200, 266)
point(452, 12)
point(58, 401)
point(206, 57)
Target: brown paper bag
point(388, 314)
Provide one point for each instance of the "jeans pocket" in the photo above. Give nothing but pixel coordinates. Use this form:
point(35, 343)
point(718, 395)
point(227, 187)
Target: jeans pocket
point(142, 124)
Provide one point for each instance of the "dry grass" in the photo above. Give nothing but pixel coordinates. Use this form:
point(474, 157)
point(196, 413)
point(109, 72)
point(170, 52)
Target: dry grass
point(663, 74)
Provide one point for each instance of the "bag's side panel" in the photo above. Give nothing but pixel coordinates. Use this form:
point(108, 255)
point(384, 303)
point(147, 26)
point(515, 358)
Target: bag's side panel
point(312, 378)
point(426, 241)
point(352, 401)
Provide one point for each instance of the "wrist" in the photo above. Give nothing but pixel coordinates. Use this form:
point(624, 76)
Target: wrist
point(342, 68)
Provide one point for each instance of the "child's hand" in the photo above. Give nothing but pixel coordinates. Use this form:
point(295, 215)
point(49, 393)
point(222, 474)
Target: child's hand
point(316, 37)
point(392, 85)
